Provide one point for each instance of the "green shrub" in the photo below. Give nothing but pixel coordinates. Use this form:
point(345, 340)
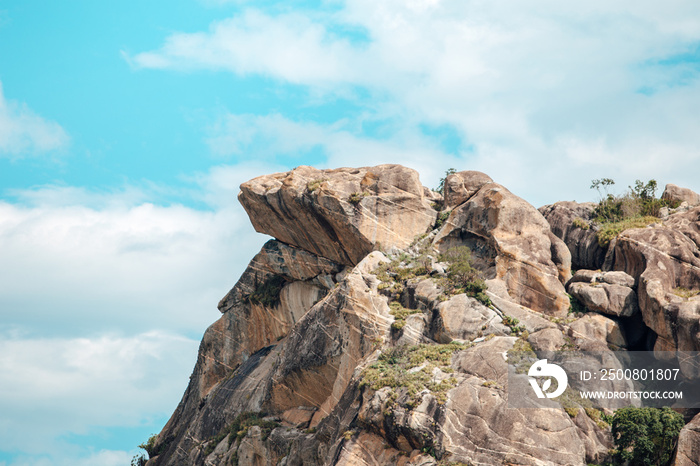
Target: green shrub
point(150, 446)
point(575, 306)
point(441, 186)
point(462, 276)
point(312, 186)
point(441, 218)
point(268, 292)
point(513, 324)
point(392, 370)
point(138, 460)
point(400, 314)
point(356, 197)
point(646, 436)
point(609, 231)
point(580, 223)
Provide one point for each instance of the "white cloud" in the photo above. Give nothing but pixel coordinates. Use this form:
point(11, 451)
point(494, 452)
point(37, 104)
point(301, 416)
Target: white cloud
point(275, 135)
point(529, 86)
point(22, 132)
point(55, 387)
point(290, 46)
point(103, 299)
point(74, 268)
point(101, 458)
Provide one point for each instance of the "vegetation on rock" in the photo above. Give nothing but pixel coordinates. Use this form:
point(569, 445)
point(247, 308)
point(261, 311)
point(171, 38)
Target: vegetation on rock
point(356, 197)
point(636, 208)
point(268, 292)
point(313, 185)
point(441, 187)
point(463, 276)
point(410, 369)
point(609, 231)
point(685, 293)
point(239, 429)
point(400, 314)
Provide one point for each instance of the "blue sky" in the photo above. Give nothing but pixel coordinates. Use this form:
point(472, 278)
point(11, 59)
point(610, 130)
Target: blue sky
point(126, 128)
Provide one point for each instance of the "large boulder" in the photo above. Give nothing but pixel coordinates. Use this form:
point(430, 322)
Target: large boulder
point(614, 300)
point(595, 328)
point(687, 223)
point(571, 222)
point(678, 195)
point(460, 186)
point(465, 318)
point(513, 243)
point(340, 214)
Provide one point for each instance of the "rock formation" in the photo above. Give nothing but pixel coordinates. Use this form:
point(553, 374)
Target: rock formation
point(351, 339)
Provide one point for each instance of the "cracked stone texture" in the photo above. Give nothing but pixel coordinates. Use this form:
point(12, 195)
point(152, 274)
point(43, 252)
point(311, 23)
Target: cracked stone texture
point(460, 186)
point(465, 318)
point(312, 209)
point(586, 253)
point(512, 241)
point(598, 328)
point(688, 452)
point(661, 260)
point(246, 327)
point(614, 300)
point(311, 367)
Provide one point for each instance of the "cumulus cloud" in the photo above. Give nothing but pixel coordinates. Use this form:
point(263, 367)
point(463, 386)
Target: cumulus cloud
point(103, 300)
point(55, 387)
point(291, 46)
point(22, 132)
point(275, 135)
point(74, 263)
point(530, 88)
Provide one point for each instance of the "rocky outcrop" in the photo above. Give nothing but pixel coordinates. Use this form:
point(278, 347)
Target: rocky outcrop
point(514, 244)
point(459, 187)
point(340, 214)
point(329, 351)
point(571, 222)
point(665, 261)
point(609, 293)
point(465, 318)
point(677, 195)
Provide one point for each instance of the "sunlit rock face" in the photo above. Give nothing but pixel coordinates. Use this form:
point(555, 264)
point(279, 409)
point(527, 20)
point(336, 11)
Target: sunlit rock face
point(340, 214)
point(348, 340)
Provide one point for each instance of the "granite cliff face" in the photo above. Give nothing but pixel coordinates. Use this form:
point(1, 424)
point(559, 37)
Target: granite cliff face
point(298, 370)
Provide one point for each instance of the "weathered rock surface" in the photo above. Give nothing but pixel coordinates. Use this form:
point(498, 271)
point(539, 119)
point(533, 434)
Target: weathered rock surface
point(465, 318)
point(598, 328)
point(547, 340)
point(614, 300)
point(688, 451)
point(459, 187)
point(512, 241)
point(676, 194)
point(311, 315)
point(663, 260)
point(570, 221)
point(340, 214)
